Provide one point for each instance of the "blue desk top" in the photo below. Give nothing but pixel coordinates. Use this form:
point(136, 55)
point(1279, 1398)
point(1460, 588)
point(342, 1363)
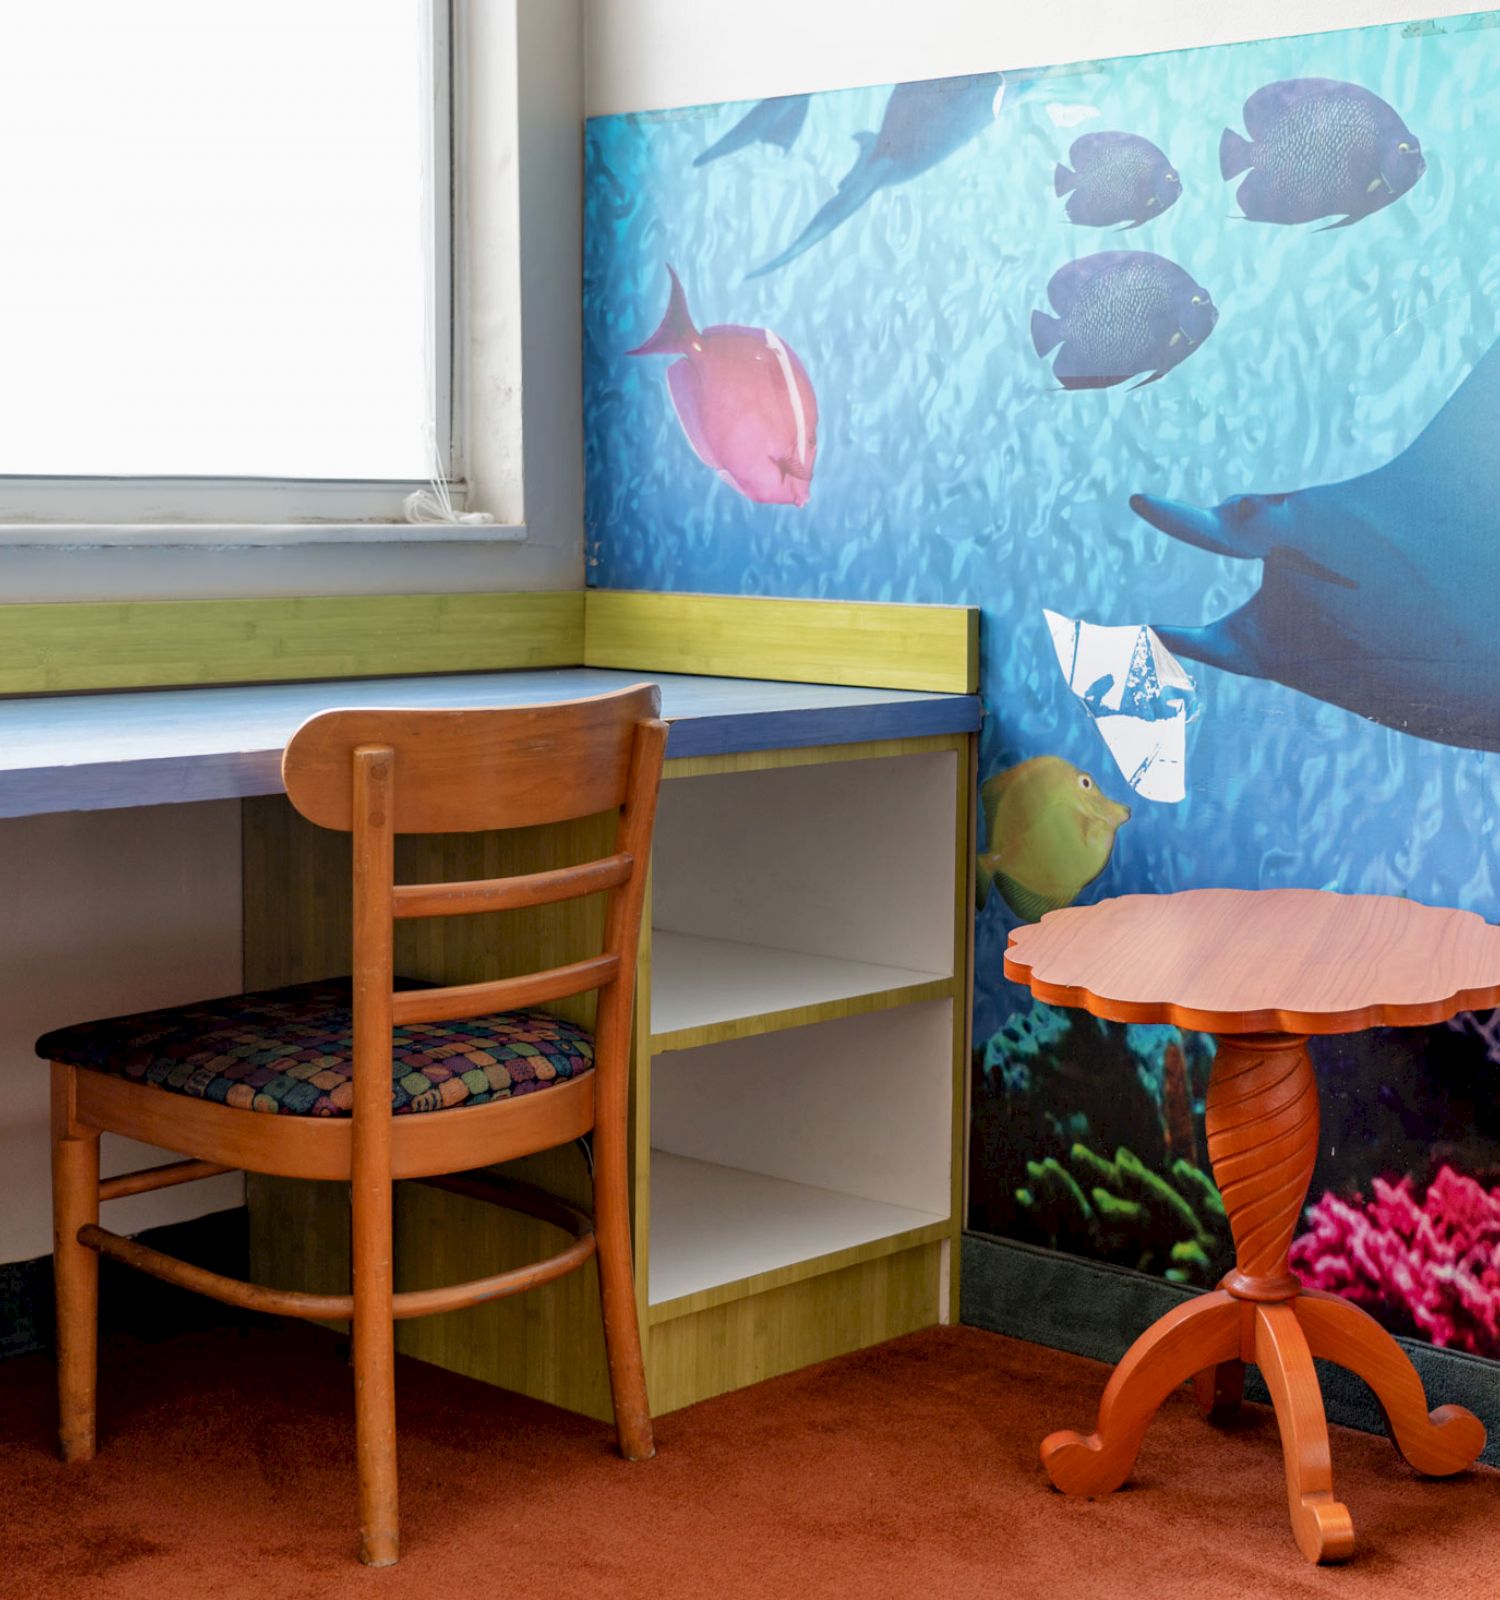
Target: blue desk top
point(155, 747)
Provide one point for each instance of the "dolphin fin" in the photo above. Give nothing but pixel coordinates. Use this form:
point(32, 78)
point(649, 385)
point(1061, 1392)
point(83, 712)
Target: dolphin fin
point(676, 335)
point(1225, 536)
point(1215, 645)
point(864, 179)
point(1205, 530)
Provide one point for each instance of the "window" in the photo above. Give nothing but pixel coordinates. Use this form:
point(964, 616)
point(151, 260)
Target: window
point(224, 252)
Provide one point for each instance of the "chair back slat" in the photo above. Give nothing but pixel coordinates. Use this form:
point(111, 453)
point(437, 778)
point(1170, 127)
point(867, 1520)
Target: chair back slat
point(461, 1000)
point(460, 899)
point(465, 771)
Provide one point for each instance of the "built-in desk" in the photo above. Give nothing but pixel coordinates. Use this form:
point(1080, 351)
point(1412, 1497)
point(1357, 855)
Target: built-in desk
point(86, 752)
point(797, 1101)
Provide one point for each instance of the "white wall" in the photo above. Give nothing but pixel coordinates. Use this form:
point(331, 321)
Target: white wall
point(105, 912)
point(646, 55)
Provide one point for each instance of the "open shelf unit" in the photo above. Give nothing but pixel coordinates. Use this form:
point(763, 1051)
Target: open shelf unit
point(802, 1001)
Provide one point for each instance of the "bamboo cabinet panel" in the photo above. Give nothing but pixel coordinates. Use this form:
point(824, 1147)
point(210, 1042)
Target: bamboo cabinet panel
point(798, 1080)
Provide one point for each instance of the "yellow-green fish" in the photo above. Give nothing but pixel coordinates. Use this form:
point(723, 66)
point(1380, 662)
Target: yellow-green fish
point(1049, 831)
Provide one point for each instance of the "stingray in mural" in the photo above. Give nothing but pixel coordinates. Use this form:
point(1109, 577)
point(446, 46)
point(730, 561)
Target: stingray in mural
point(744, 400)
point(1320, 148)
point(777, 122)
point(1380, 594)
point(1121, 313)
point(923, 124)
point(1116, 177)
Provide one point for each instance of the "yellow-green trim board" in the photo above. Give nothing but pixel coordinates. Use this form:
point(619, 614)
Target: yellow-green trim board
point(141, 644)
point(856, 643)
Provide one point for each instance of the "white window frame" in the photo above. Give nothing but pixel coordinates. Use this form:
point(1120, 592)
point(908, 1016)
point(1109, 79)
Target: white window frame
point(84, 511)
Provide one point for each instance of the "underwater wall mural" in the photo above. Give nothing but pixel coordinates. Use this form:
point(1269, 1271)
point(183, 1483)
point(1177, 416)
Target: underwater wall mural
point(1228, 494)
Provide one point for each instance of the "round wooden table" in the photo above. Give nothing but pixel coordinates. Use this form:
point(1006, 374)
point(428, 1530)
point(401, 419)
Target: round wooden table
point(1261, 970)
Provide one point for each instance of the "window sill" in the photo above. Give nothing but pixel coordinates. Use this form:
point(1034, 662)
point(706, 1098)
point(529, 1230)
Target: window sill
point(248, 536)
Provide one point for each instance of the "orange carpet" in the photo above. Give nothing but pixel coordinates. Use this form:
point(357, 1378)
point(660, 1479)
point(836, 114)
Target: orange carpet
point(226, 1470)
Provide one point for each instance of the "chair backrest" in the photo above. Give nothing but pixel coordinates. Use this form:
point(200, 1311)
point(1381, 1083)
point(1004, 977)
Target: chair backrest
point(461, 771)
point(378, 773)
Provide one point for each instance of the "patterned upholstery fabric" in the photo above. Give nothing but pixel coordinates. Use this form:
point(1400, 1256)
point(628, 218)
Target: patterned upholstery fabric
point(291, 1051)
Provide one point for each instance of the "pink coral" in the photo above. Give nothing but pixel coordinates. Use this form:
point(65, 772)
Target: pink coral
point(1435, 1262)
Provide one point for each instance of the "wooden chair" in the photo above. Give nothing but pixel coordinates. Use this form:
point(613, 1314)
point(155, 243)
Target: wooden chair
point(377, 774)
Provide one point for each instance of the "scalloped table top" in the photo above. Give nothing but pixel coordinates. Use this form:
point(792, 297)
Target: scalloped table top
point(1261, 960)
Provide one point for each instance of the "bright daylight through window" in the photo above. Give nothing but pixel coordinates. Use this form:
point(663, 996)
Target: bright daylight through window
point(219, 240)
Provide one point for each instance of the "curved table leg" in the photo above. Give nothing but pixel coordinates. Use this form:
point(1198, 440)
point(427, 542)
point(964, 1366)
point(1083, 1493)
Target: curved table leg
point(1202, 1333)
point(1321, 1525)
point(1262, 1121)
point(1436, 1443)
point(1220, 1390)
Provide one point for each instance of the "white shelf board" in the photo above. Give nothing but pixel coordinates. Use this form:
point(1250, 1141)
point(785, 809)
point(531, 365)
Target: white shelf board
point(697, 981)
point(712, 1225)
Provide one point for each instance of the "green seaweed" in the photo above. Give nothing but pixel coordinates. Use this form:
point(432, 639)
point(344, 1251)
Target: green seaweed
point(1123, 1211)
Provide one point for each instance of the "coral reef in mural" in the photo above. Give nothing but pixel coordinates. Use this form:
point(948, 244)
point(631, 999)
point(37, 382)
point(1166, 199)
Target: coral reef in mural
point(1169, 1222)
point(1056, 1082)
point(1411, 1124)
point(1428, 1266)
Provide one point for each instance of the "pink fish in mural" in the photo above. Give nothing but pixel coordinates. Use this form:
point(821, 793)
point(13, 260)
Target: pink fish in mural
point(745, 403)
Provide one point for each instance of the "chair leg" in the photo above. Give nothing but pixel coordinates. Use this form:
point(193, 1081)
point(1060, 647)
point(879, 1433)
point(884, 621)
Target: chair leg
point(374, 1333)
point(75, 1203)
point(622, 1329)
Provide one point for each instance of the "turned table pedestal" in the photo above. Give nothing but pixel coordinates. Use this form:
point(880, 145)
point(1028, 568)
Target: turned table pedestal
point(1261, 970)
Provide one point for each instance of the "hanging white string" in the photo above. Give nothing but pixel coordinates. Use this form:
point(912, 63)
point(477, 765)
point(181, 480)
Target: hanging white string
point(433, 506)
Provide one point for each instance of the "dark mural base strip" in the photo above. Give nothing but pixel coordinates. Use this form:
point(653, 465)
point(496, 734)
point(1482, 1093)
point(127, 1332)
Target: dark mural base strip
point(1094, 1310)
point(131, 1303)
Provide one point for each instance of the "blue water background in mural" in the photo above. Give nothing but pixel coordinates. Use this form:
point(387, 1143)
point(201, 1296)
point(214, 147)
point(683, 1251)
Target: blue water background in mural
point(951, 467)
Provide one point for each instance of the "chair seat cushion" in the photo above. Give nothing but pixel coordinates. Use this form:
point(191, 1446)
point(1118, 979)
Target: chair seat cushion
point(291, 1051)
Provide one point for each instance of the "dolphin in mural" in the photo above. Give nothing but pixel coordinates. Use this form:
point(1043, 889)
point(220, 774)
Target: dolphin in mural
point(924, 123)
point(777, 122)
point(1380, 594)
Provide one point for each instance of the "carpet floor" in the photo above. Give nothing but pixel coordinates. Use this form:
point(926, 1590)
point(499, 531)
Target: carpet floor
point(226, 1470)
